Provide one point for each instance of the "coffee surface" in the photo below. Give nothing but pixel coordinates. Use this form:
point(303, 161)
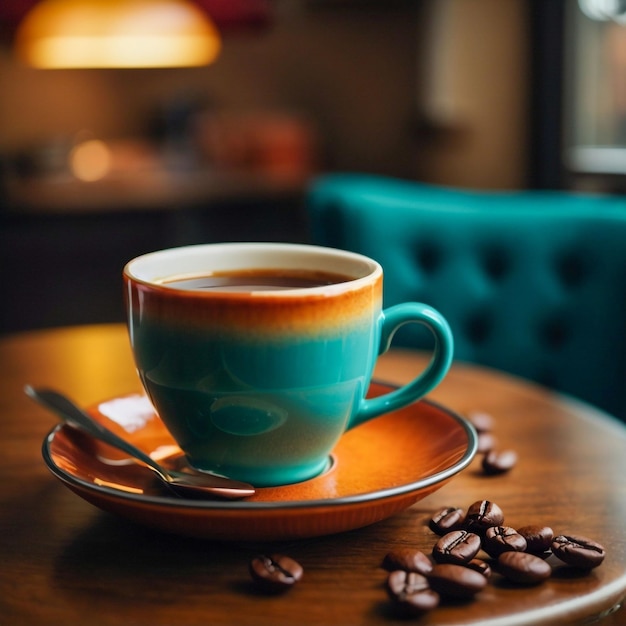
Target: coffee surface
point(257, 280)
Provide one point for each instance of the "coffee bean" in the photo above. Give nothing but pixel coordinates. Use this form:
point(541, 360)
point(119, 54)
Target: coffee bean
point(481, 421)
point(483, 514)
point(578, 551)
point(499, 462)
point(499, 539)
point(456, 581)
point(447, 519)
point(407, 559)
point(480, 566)
point(411, 592)
point(520, 554)
point(275, 573)
point(524, 568)
point(458, 546)
point(538, 539)
point(486, 443)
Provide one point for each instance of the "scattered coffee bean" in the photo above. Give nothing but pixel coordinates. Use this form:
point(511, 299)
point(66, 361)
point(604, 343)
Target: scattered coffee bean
point(486, 443)
point(411, 592)
point(459, 575)
point(481, 421)
point(499, 462)
point(458, 546)
point(480, 566)
point(499, 539)
point(456, 581)
point(522, 567)
point(447, 519)
point(578, 551)
point(275, 573)
point(483, 514)
point(407, 559)
point(494, 461)
point(538, 539)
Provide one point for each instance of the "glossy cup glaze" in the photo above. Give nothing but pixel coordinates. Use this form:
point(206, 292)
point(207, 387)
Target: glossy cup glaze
point(260, 386)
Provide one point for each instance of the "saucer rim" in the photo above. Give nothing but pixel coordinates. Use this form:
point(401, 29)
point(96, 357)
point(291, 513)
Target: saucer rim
point(204, 505)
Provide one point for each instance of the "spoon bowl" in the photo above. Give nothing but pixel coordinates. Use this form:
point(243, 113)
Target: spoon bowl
point(187, 481)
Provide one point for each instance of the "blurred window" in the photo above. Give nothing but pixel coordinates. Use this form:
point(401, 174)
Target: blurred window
point(595, 87)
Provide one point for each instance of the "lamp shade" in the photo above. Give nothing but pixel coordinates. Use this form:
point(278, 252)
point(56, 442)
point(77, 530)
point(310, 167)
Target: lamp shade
point(116, 33)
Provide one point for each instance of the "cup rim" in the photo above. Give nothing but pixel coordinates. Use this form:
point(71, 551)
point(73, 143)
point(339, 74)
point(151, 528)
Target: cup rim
point(148, 269)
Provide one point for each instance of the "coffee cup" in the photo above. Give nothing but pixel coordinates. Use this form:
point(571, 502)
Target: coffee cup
point(258, 356)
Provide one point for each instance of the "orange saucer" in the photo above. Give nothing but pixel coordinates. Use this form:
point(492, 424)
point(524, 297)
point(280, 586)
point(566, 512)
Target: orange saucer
point(378, 469)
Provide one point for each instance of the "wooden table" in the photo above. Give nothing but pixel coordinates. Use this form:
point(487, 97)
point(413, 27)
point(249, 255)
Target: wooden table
point(66, 562)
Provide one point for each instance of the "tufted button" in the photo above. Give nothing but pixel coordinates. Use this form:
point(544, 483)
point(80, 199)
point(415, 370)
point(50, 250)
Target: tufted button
point(554, 332)
point(478, 326)
point(496, 262)
point(428, 256)
point(571, 268)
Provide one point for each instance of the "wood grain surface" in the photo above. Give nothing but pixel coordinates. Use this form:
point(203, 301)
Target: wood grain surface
point(65, 562)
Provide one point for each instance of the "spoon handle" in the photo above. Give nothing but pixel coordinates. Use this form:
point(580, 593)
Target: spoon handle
point(71, 413)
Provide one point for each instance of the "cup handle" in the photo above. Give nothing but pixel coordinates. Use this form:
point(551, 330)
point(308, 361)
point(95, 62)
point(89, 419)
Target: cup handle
point(392, 319)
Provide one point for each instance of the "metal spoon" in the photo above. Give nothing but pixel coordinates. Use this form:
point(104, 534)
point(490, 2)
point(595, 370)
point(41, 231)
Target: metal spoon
point(190, 482)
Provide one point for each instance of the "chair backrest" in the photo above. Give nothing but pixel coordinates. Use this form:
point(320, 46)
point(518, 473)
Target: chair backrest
point(533, 283)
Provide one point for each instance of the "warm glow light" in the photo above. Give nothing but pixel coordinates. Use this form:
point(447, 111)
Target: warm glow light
point(116, 33)
point(90, 160)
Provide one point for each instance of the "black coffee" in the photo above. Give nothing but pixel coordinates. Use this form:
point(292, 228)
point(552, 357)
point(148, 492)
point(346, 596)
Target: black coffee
point(257, 280)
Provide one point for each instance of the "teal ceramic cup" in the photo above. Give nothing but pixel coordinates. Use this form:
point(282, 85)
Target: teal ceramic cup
point(258, 383)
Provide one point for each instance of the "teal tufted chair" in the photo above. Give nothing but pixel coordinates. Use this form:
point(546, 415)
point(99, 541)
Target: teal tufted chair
point(533, 283)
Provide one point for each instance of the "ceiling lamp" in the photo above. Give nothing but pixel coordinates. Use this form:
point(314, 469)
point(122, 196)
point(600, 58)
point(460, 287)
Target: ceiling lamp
point(116, 33)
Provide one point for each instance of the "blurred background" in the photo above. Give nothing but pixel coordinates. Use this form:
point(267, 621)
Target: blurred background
point(102, 161)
